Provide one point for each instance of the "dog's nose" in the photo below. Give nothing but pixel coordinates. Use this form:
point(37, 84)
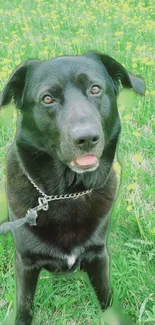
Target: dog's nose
point(85, 139)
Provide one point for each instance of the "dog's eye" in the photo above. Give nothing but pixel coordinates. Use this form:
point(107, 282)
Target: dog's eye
point(95, 90)
point(47, 99)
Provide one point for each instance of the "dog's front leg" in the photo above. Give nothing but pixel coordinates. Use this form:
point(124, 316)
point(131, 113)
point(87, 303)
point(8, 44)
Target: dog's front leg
point(98, 272)
point(26, 285)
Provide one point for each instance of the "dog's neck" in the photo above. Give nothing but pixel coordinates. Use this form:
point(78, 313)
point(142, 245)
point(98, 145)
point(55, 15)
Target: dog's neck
point(49, 173)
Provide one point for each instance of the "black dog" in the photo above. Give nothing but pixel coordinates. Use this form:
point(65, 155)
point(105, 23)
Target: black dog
point(67, 132)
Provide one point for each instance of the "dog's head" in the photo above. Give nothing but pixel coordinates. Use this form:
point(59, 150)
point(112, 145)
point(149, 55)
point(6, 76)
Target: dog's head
point(68, 106)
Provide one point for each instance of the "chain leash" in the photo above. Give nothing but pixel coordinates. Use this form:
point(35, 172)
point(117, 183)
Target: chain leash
point(32, 214)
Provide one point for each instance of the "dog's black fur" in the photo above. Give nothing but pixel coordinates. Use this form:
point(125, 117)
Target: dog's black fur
point(49, 139)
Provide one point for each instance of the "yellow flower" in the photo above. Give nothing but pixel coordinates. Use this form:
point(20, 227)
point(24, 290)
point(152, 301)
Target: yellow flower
point(5, 68)
point(129, 208)
point(74, 41)
point(127, 117)
point(140, 48)
point(137, 158)
point(15, 114)
point(80, 31)
point(121, 108)
point(17, 62)
point(6, 60)
point(147, 92)
point(3, 74)
point(153, 231)
point(26, 29)
point(44, 52)
point(117, 166)
point(128, 46)
point(118, 33)
point(151, 62)
point(134, 65)
point(136, 134)
point(46, 39)
point(134, 59)
point(56, 38)
point(132, 186)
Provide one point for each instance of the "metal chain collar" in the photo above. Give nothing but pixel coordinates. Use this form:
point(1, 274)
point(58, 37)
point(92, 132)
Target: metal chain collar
point(31, 215)
point(58, 197)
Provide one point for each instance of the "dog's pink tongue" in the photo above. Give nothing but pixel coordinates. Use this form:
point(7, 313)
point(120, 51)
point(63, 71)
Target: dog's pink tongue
point(86, 160)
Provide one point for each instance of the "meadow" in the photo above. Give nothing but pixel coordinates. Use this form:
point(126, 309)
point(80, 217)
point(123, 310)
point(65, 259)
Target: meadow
point(124, 30)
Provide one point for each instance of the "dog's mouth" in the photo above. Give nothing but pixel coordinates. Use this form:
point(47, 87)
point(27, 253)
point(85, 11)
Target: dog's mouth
point(85, 161)
point(84, 164)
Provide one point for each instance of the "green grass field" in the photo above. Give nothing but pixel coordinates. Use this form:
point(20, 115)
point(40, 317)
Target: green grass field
point(125, 30)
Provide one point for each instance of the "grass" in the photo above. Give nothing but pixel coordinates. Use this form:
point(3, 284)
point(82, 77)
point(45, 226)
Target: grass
point(123, 29)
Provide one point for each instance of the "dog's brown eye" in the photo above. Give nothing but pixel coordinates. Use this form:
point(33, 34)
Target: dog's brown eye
point(47, 99)
point(95, 90)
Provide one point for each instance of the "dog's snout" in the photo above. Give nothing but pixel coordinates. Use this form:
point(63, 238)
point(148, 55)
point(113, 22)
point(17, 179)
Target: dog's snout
point(85, 139)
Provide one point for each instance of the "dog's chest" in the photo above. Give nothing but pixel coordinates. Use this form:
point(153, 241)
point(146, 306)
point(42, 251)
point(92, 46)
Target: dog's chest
point(67, 235)
point(62, 262)
point(67, 225)
point(71, 260)
point(57, 261)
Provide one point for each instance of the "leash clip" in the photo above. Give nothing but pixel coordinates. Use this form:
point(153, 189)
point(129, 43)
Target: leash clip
point(32, 215)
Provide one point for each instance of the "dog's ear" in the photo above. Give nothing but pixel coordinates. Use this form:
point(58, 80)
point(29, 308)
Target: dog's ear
point(119, 73)
point(15, 85)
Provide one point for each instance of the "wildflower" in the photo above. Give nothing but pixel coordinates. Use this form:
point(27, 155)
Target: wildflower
point(129, 208)
point(121, 108)
point(134, 65)
point(6, 60)
point(119, 33)
point(136, 134)
point(132, 186)
point(3, 74)
point(17, 62)
point(153, 231)
point(117, 166)
point(56, 38)
point(26, 29)
point(137, 158)
point(128, 46)
point(127, 117)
